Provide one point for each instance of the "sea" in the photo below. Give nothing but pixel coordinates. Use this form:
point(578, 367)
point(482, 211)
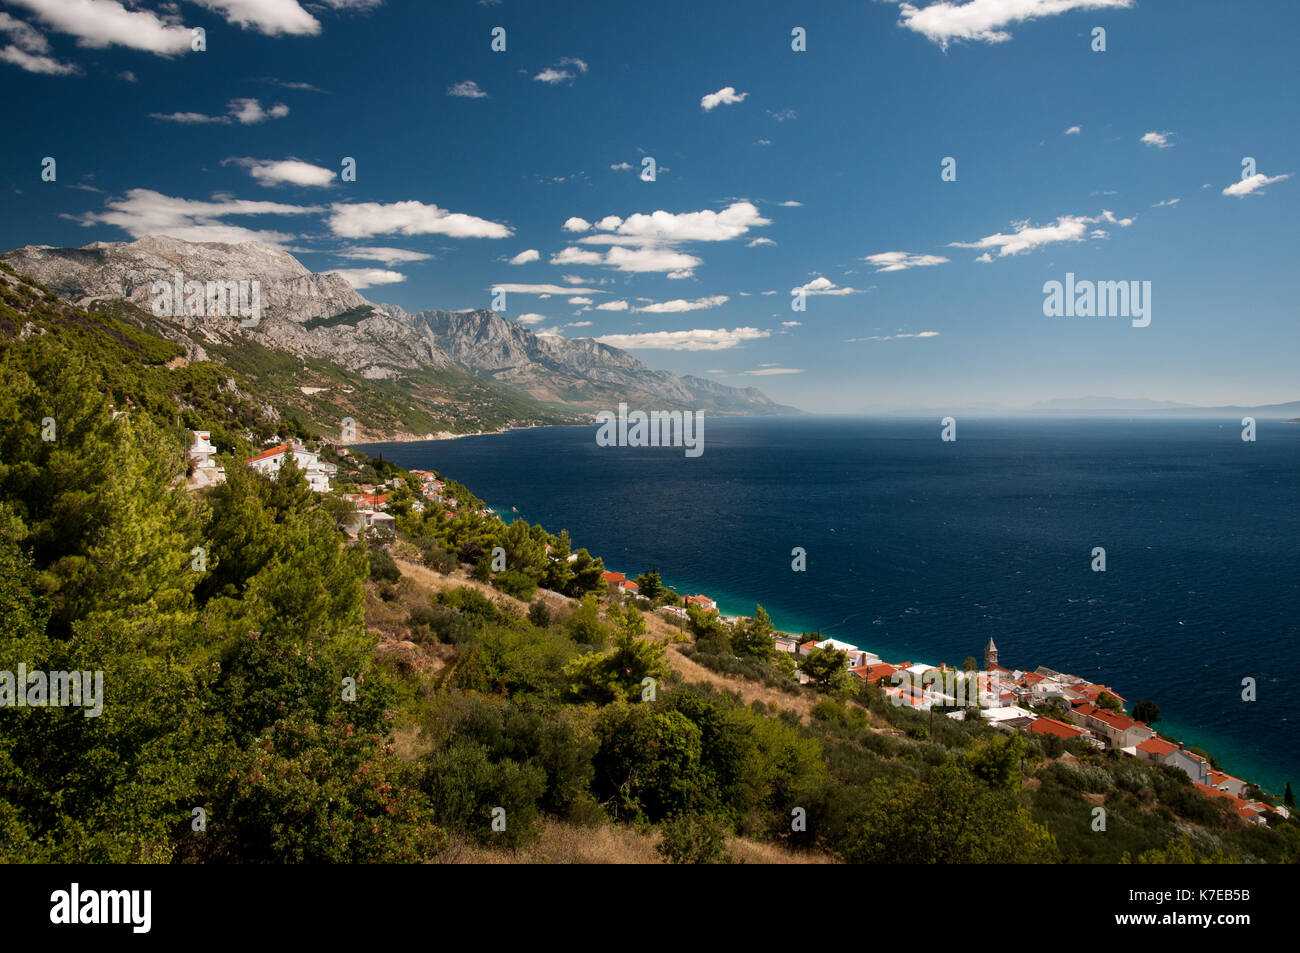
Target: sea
point(920, 549)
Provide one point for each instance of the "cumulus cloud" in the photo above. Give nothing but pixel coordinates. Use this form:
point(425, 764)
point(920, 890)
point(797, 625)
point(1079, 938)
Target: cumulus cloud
point(468, 89)
point(951, 21)
point(680, 304)
point(284, 171)
point(36, 62)
point(580, 300)
point(726, 96)
point(663, 227)
point(824, 286)
point(1253, 183)
point(270, 17)
point(613, 306)
point(388, 256)
point(360, 278)
point(363, 219)
point(531, 318)
point(525, 256)
point(543, 289)
point(700, 339)
point(146, 212)
point(244, 111)
point(1074, 131)
point(28, 49)
point(576, 224)
point(645, 259)
point(1026, 237)
point(1159, 140)
point(99, 24)
point(901, 260)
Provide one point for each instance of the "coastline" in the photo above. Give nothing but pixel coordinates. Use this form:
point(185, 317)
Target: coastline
point(735, 602)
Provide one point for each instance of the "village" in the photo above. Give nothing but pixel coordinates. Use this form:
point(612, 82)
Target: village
point(1041, 702)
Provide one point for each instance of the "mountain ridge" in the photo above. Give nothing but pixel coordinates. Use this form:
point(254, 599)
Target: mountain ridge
point(320, 316)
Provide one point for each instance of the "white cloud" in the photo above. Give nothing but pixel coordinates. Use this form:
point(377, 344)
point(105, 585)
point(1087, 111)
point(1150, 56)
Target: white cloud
point(250, 111)
point(360, 278)
point(767, 371)
point(726, 96)
point(363, 219)
point(613, 306)
point(127, 76)
point(389, 256)
point(525, 256)
point(280, 171)
point(146, 212)
point(732, 222)
point(270, 17)
point(680, 304)
point(644, 259)
point(893, 337)
point(824, 286)
point(1026, 237)
point(1165, 202)
point(791, 324)
point(555, 75)
point(790, 204)
point(621, 166)
point(576, 224)
point(1253, 183)
point(578, 324)
point(580, 300)
point(103, 23)
point(950, 21)
point(36, 62)
point(757, 242)
point(901, 260)
point(1074, 130)
point(468, 89)
point(783, 114)
point(24, 36)
point(700, 339)
point(526, 289)
point(1158, 139)
point(531, 318)
point(245, 111)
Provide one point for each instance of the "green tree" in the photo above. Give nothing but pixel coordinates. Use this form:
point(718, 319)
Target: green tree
point(1146, 711)
point(827, 670)
point(649, 584)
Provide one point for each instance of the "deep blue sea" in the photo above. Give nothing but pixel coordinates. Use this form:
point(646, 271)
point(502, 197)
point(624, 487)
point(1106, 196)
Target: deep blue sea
point(921, 550)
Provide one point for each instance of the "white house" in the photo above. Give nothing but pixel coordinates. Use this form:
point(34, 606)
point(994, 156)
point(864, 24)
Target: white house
point(270, 461)
point(207, 471)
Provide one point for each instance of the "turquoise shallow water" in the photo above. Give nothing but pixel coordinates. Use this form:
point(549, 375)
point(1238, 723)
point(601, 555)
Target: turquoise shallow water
point(919, 549)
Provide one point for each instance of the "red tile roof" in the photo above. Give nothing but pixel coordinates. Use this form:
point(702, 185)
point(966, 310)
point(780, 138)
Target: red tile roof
point(273, 452)
point(1158, 746)
point(1050, 726)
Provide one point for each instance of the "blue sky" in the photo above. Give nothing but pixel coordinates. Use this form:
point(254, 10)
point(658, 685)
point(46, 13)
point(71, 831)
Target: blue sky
point(776, 170)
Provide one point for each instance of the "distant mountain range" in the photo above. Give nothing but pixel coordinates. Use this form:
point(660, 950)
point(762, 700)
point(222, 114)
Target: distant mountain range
point(331, 352)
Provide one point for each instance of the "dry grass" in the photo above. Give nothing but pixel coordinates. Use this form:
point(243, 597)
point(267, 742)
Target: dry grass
point(562, 843)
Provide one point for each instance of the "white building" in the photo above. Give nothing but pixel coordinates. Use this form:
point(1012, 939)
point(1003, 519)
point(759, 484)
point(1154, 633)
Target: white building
point(317, 474)
point(207, 471)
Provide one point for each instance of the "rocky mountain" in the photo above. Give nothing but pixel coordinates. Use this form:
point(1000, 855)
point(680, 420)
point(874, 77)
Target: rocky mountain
point(320, 317)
